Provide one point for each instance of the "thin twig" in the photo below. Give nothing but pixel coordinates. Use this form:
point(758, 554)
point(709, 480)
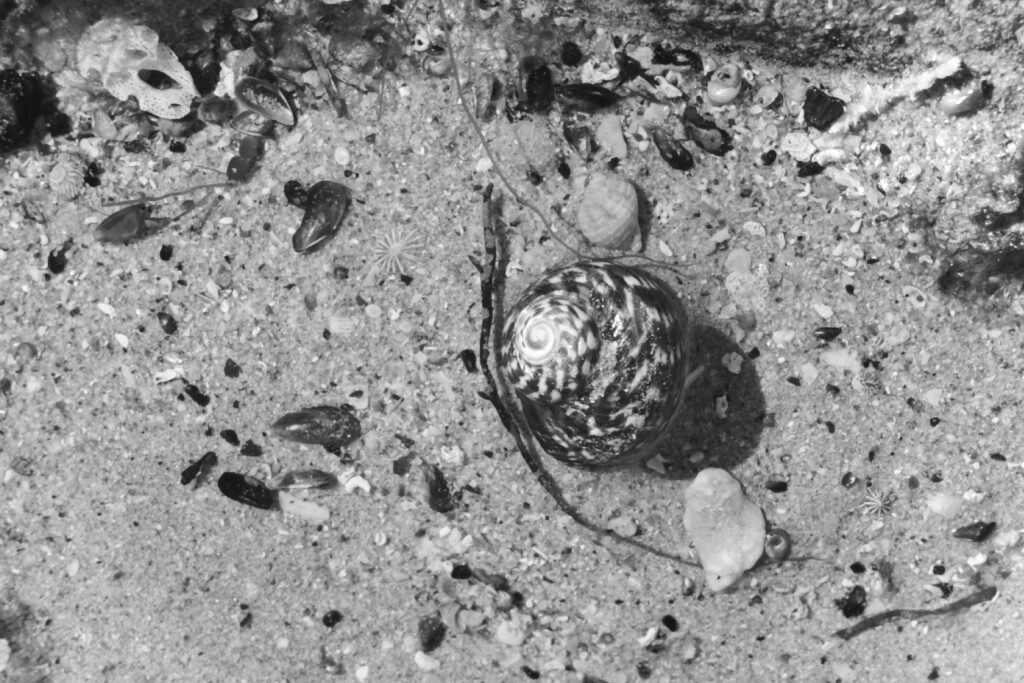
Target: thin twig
point(189, 190)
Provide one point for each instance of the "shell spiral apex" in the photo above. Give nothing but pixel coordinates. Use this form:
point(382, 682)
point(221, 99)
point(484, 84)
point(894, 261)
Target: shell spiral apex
point(597, 353)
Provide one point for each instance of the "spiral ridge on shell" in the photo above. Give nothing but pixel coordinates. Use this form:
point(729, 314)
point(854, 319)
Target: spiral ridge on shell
point(597, 353)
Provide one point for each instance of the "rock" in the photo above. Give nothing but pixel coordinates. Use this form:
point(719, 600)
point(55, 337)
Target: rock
point(945, 504)
point(726, 527)
point(609, 137)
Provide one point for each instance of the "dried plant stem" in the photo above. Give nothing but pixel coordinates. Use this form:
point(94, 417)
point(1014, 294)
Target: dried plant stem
point(495, 163)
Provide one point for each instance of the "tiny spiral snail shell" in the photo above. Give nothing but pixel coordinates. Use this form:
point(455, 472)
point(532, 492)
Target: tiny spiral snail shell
point(597, 353)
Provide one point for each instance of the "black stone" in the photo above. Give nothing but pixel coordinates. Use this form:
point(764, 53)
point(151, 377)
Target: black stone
point(197, 395)
point(241, 169)
point(431, 632)
point(853, 603)
point(167, 322)
point(332, 618)
point(232, 369)
point(242, 488)
point(827, 334)
point(777, 485)
point(166, 252)
point(768, 158)
point(571, 53)
point(538, 91)
point(468, 357)
point(670, 622)
point(821, 110)
point(808, 169)
point(231, 436)
point(251, 450)
point(461, 572)
point(977, 532)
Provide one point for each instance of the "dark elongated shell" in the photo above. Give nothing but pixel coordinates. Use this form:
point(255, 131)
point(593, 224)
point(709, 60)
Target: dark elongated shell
point(326, 205)
point(331, 426)
point(266, 100)
point(586, 97)
point(305, 479)
point(671, 150)
point(248, 490)
point(597, 352)
point(538, 88)
point(130, 224)
point(705, 133)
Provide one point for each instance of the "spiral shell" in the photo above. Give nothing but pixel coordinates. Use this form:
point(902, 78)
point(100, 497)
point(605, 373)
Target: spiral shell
point(597, 354)
point(608, 214)
point(725, 84)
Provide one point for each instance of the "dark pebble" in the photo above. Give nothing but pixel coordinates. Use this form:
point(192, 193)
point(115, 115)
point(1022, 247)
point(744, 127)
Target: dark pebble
point(827, 334)
point(821, 110)
point(200, 467)
point(777, 485)
point(913, 483)
point(401, 466)
point(858, 568)
point(946, 588)
point(339, 273)
point(5, 385)
point(644, 670)
point(977, 532)
point(251, 147)
point(406, 441)
point(331, 426)
point(808, 169)
point(768, 158)
point(468, 357)
point(167, 322)
point(439, 494)
point(934, 422)
point(939, 569)
point(571, 53)
point(177, 146)
point(563, 169)
point(245, 489)
point(295, 193)
point(832, 389)
point(251, 450)
point(853, 603)
point(998, 457)
point(532, 674)
point(196, 394)
point(884, 150)
point(332, 618)
point(794, 380)
point(231, 436)
point(57, 259)
point(246, 621)
point(92, 174)
point(431, 632)
point(241, 169)
point(232, 369)
point(166, 252)
point(461, 572)
point(670, 622)
point(538, 86)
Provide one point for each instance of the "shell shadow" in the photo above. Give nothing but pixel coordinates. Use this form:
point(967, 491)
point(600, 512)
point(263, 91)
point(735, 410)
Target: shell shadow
point(709, 435)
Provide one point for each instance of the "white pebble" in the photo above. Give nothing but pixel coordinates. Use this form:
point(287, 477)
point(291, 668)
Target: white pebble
point(122, 340)
point(106, 309)
point(945, 504)
point(342, 157)
point(293, 505)
point(510, 632)
point(373, 311)
point(824, 311)
point(738, 261)
point(362, 673)
point(73, 567)
point(733, 362)
point(357, 482)
point(1006, 540)
point(755, 229)
point(226, 220)
point(426, 662)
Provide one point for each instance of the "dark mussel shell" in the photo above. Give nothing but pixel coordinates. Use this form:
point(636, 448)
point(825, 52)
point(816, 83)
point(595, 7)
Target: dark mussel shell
point(672, 55)
point(295, 193)
point(571, 53)
point(241, 169)
point(129, 224)
point(821, 110)
point(217, 110)
point(266, 100)
point(330, 426)
point(242, 488)
point(629, 68)
point(251, 123)
point(326, 206)
point(585, 97)
point(538, 88)
point(705, 133)
point(671, 150)
point(21, 105)
point(581, 138)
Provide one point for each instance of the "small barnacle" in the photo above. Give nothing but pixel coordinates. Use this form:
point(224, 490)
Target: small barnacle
point(878, 503)
point(66, 178)
point(394, 249)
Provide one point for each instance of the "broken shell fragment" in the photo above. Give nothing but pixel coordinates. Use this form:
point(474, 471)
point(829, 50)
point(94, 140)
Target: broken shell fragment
point(585, 97)
point(705, 133)
point(966, 100)
point(266, 100)
point(581, 138)
point(326, 206)
point(304, 479)
point(251, 123)
point(330, 426)
point(671, 150)
point(488, 92)
point(608, 214)
point(725, 84)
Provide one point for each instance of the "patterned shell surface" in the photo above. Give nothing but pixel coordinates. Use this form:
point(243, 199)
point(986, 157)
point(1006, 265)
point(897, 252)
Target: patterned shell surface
point(597, 352)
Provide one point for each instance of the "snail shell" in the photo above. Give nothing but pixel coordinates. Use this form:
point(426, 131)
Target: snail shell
point(725, 84)
point(597, 353)
point(608, 214)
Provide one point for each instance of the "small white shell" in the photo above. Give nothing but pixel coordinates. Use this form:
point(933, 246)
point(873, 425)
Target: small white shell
point(66, 178)
point(608, 212)
point(725, 84)
point(963, 101)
